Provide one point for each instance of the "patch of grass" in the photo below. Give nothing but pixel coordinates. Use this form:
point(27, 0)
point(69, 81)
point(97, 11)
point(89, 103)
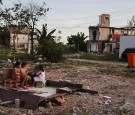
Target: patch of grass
point(24, 56)
point(105, 57)
point(21, 56)
point(129, 72)
point(107, 70)
point(5, 50)
point(5, 57)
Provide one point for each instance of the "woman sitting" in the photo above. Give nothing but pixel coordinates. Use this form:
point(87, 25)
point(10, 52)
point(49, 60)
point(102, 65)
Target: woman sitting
point(24, 72)
point(16, 74)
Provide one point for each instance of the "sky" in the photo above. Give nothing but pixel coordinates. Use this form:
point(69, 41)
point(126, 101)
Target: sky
point(73, 16)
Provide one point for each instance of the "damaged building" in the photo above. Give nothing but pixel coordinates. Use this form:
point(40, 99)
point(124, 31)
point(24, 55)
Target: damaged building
point(105, 39)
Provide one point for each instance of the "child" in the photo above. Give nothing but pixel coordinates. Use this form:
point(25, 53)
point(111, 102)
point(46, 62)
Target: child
point(40, 75)
point(24, 73)
point(16, 73)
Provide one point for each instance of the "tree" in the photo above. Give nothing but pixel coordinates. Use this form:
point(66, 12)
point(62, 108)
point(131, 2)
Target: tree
point(1, 1)
point(131, 23)
point(43, 37)
point(12, 16)
point(48, 47)
point(31, 14)
point(77, 41)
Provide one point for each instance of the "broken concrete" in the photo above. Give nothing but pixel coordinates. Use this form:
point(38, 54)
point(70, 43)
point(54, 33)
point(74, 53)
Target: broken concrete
point(66, 90)
point(33, 96)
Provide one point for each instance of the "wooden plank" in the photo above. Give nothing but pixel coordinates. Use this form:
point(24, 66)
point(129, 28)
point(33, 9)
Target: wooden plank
point(5, 102)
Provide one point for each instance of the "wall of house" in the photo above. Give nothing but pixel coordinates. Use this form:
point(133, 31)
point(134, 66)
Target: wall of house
point(22, 39)
point(35, 41)
point(104, 33)
point(91, 34)
point(117, 31)
point(22, 30)
point(126, 42)
point(92, 46)
point(104, 20)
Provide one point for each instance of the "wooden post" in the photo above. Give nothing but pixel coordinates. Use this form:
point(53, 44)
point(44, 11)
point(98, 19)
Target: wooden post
point(14, 48)
point(17, 103)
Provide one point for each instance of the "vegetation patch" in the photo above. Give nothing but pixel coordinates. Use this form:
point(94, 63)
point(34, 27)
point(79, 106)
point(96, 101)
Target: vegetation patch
point(105, 57)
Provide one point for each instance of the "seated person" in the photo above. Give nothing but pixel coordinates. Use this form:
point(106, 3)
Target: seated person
point(16, 74)
point(40, 75)
point(24, 72)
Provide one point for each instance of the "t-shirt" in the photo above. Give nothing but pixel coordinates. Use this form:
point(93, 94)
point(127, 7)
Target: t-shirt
point(42, 75)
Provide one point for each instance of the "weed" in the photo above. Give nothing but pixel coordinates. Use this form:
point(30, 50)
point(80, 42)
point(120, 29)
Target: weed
point(105, 57)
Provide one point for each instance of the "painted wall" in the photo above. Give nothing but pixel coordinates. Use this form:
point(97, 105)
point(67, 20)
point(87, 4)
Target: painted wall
point(104, 33)
point(22, 39)
point(126, 42)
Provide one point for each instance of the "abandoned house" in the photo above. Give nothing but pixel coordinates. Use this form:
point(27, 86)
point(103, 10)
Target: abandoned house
point(18, 35)
point(103, 38)
point(21, 34)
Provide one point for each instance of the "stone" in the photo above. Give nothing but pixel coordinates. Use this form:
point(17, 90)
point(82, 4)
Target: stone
point(17, 103)
point(60, 101)
point(78, 93)
point(48, 105)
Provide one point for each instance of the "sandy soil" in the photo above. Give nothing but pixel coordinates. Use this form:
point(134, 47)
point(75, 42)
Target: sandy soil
point(114, 82)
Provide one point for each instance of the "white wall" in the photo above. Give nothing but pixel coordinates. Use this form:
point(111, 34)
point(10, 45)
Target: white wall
point(22, 39)
point(92, 46)
point(126, 42)
point(104, 33)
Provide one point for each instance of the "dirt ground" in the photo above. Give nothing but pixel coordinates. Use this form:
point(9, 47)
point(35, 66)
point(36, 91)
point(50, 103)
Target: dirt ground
point(114, 82)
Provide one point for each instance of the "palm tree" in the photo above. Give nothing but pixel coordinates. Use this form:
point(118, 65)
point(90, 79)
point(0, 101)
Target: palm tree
point(1, 1)
point(43, 35)
point(44, 38)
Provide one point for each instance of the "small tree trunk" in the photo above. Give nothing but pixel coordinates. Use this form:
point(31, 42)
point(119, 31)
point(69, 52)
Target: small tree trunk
point(32, 33)
point(14, 49)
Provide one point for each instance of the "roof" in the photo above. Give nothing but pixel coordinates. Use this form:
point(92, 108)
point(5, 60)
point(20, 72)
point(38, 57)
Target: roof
point(120, 28)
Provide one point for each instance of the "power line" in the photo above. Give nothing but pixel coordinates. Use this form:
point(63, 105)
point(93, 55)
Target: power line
point(117, 12)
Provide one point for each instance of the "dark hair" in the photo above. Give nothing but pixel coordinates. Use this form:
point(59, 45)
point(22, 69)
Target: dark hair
point(17, 64)
point(41, 67)
point(23, 64)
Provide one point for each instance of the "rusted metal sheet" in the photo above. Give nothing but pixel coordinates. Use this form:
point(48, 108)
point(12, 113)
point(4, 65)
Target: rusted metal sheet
point(27, 101)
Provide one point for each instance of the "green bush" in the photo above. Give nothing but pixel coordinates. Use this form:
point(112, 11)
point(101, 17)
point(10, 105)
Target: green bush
point(4, 57)
point(24, 56)
point(18, 56)
point(51, 50)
